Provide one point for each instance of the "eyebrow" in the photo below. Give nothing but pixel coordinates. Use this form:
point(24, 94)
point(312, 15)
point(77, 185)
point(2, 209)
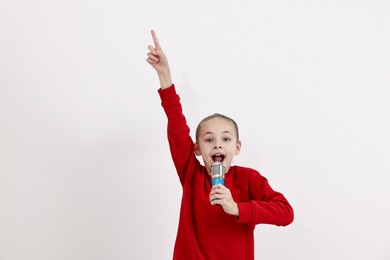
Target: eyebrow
point(224, 132)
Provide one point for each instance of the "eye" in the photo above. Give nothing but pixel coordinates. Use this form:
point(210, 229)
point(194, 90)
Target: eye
point(226, 139)
point(208, 140)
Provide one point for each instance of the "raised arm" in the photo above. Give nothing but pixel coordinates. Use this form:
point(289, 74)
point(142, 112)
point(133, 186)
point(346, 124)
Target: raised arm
point(159, 61)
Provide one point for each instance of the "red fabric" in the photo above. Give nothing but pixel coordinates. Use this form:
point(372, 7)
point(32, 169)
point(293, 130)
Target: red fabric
point(206, 231)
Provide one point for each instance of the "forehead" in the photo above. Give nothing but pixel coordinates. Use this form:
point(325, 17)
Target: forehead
point(217, 125)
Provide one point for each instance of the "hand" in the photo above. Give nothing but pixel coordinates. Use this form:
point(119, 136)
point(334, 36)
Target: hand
point(159, 61)
point(220, 195)
point(156, 56)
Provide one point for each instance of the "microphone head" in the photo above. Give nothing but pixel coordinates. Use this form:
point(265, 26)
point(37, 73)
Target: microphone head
point(217, 173)
point(217, 169)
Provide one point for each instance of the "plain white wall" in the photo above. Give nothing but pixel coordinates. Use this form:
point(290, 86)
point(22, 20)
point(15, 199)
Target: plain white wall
point(85, 169)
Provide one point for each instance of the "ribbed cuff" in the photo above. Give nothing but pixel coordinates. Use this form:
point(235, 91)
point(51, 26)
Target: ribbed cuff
point(171, 91)
point(245, 211)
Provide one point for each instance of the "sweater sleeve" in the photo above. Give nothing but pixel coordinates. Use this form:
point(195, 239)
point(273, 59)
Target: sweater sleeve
point(180, 142)
point(266, 205)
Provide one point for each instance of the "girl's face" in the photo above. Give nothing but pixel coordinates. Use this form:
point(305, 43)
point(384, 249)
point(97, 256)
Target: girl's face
point(217, 142)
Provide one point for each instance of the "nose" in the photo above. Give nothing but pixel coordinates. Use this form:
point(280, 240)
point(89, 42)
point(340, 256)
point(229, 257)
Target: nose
point(217, 144)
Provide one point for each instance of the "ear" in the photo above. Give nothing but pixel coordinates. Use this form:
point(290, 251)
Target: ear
point(238, 148)
point(197, 150)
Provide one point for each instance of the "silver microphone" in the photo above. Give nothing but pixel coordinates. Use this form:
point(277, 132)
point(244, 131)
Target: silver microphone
point(217, 173)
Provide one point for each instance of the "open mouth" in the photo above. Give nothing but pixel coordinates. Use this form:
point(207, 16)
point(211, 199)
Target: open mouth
point(218, 157)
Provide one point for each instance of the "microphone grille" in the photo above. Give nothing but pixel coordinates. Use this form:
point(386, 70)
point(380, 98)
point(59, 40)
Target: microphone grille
point(217, 169)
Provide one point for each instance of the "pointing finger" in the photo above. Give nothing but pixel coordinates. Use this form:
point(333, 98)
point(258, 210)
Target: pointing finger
point(155, 40)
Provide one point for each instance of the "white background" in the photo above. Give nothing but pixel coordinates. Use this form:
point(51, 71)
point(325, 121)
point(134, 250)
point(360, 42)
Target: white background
point(85, 169)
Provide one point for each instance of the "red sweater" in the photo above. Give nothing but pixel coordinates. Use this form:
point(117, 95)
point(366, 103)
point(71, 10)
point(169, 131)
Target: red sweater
point(206, 231)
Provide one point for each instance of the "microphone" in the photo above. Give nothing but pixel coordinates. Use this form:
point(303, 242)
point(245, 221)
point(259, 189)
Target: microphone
point(217, 173)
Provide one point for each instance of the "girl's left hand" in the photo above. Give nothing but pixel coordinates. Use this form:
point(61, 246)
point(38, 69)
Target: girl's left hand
point(220, 195)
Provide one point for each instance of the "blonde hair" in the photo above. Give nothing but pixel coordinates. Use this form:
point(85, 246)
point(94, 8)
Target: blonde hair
point(216, 115)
